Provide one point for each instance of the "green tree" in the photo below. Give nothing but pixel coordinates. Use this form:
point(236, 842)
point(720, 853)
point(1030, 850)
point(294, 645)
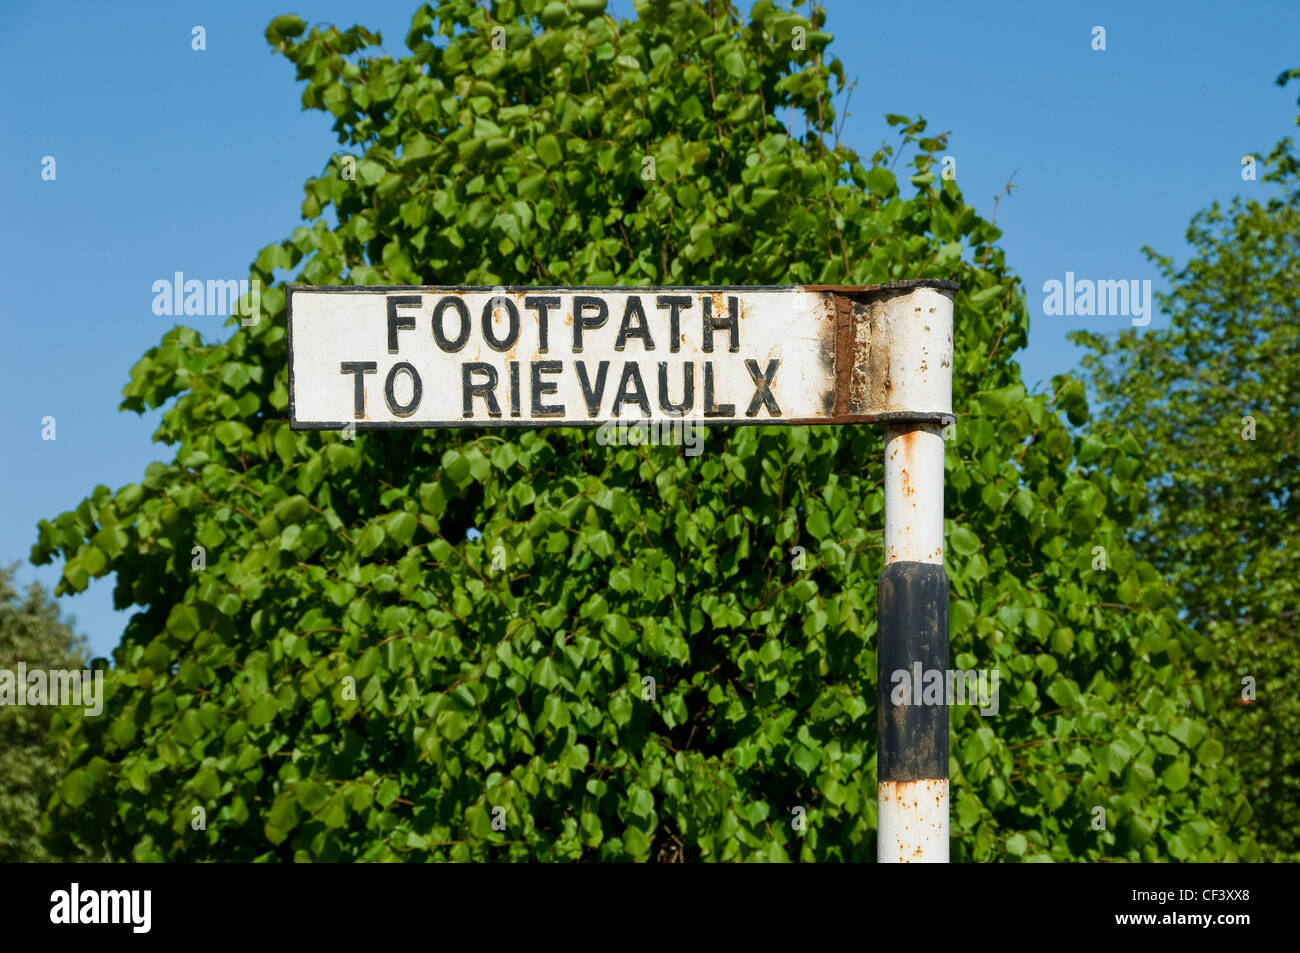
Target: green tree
point(1213, 398)
point(348, 678)
point(31, 766)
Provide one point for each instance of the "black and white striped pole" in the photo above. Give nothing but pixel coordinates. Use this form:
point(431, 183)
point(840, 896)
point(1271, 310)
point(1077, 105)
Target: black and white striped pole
point(912, 612)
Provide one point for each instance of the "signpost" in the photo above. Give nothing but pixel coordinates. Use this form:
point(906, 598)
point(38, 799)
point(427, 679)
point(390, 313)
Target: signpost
point(380, 357)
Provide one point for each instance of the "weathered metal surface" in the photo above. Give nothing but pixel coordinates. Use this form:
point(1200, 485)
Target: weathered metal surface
point(374, 357)
point(912, 643)
point(914, 493)
point(903, 339)
point(912, 822)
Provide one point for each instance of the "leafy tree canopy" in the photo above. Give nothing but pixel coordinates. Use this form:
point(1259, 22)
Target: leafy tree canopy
point(1213, 398)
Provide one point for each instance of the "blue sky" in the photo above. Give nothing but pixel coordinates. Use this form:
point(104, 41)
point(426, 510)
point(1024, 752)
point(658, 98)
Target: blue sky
point(168, 160)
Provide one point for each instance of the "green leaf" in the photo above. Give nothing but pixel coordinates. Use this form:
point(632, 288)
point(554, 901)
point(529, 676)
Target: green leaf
point(881, 181)
point(963, 541)
point(548, 150)
point(1176, 776)
point(1090, 449)
point(263, 711)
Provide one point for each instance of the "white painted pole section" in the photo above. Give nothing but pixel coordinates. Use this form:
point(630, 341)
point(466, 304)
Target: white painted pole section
point(914, 493)
point(912, 822)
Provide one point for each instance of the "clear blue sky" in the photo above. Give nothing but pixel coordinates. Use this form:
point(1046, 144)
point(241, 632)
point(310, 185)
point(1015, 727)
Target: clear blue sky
point(174, 160)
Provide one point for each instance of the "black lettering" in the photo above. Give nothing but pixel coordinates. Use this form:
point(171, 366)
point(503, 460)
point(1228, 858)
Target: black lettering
point(688, 398)
point(515, 409)
point(726, 410)
point(731, 323)
point(592, 397)
point(489, 309)
point(542, 303)
point(390, 392)
point(357, 369)
point(397, 322)
point(675, 304)
point(540, 388)
point(642, 329)
point(447, 344)
point(631, 374)
point(763, 387)
point(581, 323)
point(486, 390)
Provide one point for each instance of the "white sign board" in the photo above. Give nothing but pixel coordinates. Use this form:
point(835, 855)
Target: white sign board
point(475, 357)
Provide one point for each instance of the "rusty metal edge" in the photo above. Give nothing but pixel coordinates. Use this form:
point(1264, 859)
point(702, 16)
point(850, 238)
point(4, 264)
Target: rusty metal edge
point(944, 284)
point(847, 358)
point(905, 284)
point(935, 417)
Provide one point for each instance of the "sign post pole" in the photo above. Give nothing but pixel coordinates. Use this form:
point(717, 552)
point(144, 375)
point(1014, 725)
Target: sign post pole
point(373, 358)
point(912, 643)
point(912, 595)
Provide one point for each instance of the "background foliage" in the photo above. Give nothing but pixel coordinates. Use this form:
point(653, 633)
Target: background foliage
point(1221, 524)
point(31, 765)
point(330, 560)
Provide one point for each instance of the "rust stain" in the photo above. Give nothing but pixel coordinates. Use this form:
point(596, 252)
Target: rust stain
point(908, 440)
point(844, 356)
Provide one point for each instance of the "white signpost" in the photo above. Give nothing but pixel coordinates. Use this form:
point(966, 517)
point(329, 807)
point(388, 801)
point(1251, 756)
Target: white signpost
point(382, 357)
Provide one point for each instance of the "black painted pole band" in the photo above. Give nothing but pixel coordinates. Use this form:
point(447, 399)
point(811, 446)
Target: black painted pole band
point(912, 642)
